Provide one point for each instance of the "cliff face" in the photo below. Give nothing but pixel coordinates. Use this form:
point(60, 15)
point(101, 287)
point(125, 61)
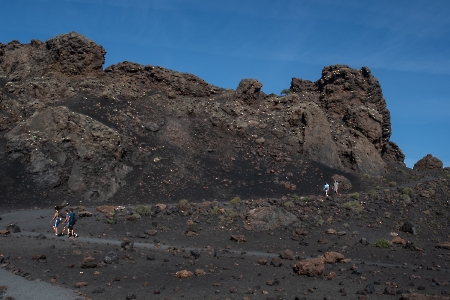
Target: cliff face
point(140, 132)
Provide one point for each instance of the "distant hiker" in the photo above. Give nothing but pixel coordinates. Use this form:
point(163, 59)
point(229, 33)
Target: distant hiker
point(57, 220)
point(66, 223)
point(326, 188)
point(336, 186)
point(71, 222)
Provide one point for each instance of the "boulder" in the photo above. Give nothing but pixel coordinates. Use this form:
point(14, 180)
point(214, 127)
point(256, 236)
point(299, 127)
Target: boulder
point(268, 218)
point(310, 267)
point(332, 257)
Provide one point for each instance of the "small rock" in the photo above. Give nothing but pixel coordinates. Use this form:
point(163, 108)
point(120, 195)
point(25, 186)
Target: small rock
point(81, 284)
point(184, 274)
point(238, 238)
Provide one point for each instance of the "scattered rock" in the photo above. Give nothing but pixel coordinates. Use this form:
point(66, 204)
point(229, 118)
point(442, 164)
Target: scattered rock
point(13, 228)
point(332, 257)
point(310, 267)
point(81, 284)
point(238, 238)
point(111, 258)
point(287, 254)
point(443, 245)
point(409, 228)
point(398, 240)
point(88, 262)
point(39, 257)
point(184, 274)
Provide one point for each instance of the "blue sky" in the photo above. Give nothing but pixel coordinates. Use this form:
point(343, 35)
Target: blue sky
point(406, 44)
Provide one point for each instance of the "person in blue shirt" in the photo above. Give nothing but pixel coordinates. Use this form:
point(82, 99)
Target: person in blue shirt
point(70, 221)
point(326, 188)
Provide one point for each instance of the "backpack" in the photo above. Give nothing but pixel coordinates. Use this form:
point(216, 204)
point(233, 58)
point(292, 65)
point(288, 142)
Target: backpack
point(74, 220)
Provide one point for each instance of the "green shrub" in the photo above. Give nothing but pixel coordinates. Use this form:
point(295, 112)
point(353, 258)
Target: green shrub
point(367, 176)
point(110, 221)
point(354, 195)
point(408, 191)
point(295, 197)
point(288, 204)
point(144, 210)
point(372, 193)
point(183, 201)
point(229, 216)
point(306, 199)
point(383, 243)
point(354, 206)
point(392, 183)
point(235, 200)
point(215, 210)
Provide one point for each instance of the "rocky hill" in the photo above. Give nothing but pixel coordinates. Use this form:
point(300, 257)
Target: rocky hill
point(71, 129)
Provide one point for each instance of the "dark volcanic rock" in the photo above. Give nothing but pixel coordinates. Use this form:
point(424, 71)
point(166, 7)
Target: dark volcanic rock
point(428, 163)
point(146, 134)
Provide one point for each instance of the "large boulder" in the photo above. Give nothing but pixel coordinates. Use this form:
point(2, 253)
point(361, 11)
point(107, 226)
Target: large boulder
point(268, 218)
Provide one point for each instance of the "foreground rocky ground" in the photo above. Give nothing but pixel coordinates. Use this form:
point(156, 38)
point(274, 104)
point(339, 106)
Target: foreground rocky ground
point(389, 241)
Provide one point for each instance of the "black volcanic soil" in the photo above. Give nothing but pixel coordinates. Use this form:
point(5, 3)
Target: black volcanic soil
point(231, 262)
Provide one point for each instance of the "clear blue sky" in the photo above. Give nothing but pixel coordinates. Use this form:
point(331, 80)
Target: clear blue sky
point(406, 44)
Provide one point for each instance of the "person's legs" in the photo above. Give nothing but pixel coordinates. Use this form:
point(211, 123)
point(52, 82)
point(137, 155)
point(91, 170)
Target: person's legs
point(70, 230)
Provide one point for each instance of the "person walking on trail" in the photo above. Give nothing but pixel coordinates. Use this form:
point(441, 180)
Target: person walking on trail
point(56, 220)
point(326, 188)
point(336, 186)
point(66, 223)
point(71, 222)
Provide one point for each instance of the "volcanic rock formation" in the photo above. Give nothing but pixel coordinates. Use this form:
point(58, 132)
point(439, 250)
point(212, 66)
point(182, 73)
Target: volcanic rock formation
point(145, 132)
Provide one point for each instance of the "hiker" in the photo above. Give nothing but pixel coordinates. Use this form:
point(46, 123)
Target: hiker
point(71, 221)
point(57, 220)
point(66, 223)
point(336, 186)
point(326, 188)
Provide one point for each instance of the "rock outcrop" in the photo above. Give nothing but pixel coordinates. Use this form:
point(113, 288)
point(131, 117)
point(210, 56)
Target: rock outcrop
point(141, 132)
point(428, 163)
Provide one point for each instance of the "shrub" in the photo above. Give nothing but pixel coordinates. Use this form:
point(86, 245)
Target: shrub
point(372, 193)
point(392, 183)
point(229, 216)
point(383, 243)
point(367, 176)
point(354, 206)
point(408, 191)
point(235, 200)
point(110, 221)
point(295, 197)
point(183, 201)
point(288, 204)
point(143, 210)
point(354, 195)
